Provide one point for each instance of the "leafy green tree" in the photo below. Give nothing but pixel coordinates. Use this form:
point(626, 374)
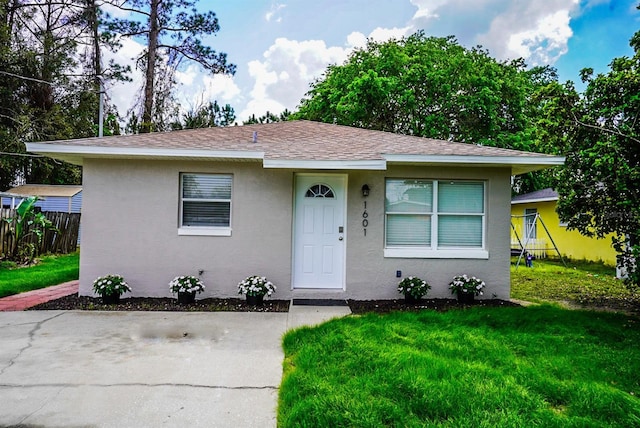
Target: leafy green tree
point(600, 184)
point(37, 60)
point(172, 30)
point(430, 87)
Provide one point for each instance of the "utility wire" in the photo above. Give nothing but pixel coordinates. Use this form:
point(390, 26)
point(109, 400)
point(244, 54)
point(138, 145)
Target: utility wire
point(29, 156)
point(26, 78)
point(22, 154)
point(41, 81)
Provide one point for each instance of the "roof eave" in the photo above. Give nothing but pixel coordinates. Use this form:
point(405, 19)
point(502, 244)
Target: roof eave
point(518, 164)
point(76, 154)
point(534, 200)
point(378, 165)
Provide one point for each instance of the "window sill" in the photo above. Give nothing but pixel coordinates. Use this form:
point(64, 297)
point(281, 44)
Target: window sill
point(204, 231)
point(419, 253)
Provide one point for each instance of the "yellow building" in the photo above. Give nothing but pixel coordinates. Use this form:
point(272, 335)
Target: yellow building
point(530, 213)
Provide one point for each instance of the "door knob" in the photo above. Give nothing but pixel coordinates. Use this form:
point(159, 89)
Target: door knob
point(340, 238)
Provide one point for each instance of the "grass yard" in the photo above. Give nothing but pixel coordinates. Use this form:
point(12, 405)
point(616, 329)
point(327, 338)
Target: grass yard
point(583, 283)
point(481, 367)
point(52, 270)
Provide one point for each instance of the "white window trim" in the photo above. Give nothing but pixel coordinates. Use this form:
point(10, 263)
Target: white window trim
point(433, 252)
point(204, 230)
point(427, 253)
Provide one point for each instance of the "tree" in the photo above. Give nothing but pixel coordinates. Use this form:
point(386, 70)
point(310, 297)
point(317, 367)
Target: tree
point(37, 59)
point(207, 116)
point(600, 184)
point(172, 30)
point(268, 117)
point(430, 87)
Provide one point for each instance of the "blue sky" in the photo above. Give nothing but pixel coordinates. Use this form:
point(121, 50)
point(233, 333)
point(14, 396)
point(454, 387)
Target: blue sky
point(280, 47)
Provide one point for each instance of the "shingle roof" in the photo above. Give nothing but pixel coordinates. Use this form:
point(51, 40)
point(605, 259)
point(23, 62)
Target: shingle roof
point(285, 141)
point(538, 196)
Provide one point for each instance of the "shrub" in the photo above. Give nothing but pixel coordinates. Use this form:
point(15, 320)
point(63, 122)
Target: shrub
point(110, 284)
point(413, 286)
point(256, 286)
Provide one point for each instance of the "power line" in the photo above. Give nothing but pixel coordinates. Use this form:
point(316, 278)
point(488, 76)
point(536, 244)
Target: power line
point(22, 154)
point(44, 81)
point(26, 78)
point(26, 155)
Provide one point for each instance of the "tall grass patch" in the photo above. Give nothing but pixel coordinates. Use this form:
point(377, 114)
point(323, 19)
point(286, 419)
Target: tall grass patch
point(583, 283)
point(51, 270)
point(483, 367)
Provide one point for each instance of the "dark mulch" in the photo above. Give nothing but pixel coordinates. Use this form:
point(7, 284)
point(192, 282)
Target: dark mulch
point(75, 302)
point(441, 305)
point(86, 303)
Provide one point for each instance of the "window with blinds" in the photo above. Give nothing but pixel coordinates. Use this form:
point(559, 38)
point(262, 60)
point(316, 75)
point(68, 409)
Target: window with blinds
point(434, 214)
point(205, 200)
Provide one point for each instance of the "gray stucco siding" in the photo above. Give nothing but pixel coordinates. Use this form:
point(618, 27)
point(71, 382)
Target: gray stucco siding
point(130, 227)
point(371, 276)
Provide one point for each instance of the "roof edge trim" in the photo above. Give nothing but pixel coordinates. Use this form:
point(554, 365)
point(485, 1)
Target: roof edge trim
point(378, 165)
point(90, 151)
point(529, 201)
point(493, 160)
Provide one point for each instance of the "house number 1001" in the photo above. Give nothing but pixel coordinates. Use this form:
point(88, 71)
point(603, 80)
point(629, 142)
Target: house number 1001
point(365, 222)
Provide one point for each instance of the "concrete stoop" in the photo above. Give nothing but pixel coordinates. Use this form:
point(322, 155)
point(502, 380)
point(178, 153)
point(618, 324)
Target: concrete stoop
point(310, 312)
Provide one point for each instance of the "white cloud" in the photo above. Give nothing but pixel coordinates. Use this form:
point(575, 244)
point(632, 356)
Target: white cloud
point(283, 76)
point(198, 89)
point(124, 94)
point(221, 87)
point(427, 8)
point(195, 88)
point(545, 43)
point(113, 11)
point(356, 40)
point(288, 68)
point(273, 12)
point(384, 34)
point(536, 31)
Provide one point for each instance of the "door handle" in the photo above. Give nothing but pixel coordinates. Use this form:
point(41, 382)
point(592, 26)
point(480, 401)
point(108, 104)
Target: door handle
point(340, 238)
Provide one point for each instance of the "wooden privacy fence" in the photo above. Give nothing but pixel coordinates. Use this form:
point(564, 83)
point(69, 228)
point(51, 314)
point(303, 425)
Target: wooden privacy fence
point(62, 239)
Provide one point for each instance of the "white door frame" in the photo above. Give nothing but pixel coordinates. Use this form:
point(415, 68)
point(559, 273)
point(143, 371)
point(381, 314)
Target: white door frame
point(295, 257)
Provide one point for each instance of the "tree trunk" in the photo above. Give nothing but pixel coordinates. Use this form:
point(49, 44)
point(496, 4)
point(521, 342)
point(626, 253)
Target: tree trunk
point(96, 59)
point(92, 20)
point(151, 66)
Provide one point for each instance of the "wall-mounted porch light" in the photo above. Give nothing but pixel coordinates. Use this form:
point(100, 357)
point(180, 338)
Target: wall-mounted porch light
point(365, 190)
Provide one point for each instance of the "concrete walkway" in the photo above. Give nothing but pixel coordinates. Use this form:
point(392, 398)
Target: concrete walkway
point(145, 369)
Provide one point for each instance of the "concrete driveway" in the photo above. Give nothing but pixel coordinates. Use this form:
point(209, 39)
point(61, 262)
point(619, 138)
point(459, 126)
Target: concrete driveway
point(143, 369)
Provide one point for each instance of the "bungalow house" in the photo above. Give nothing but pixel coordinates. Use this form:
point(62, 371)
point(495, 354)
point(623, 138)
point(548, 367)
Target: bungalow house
point(533, 212)
point(322, 210)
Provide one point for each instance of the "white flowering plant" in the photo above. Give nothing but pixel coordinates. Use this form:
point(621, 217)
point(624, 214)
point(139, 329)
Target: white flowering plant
point(110, 285)
point(466, 284)
point(186, 284)
point(413, 286)
point(256, 286)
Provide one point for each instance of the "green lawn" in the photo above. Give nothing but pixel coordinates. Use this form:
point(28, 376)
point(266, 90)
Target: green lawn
point(51, 270)
point(583, 283)
point(482, 367)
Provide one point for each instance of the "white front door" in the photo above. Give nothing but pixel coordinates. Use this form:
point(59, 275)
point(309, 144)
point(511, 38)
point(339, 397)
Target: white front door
point(319, 231)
